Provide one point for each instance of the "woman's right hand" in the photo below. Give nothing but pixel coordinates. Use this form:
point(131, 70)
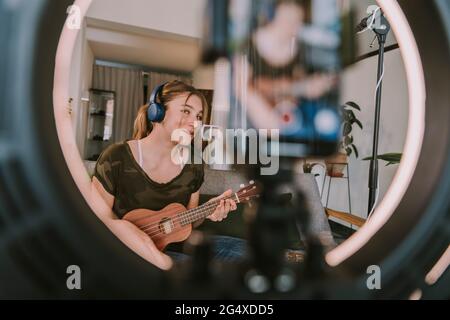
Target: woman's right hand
point(140, 242)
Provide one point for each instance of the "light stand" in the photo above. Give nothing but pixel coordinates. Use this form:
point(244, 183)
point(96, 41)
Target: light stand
point(381, 30)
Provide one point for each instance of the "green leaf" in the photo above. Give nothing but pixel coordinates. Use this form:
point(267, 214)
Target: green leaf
point(352, 115)
point(347, 129)
point(353, 105)
point(348, 140)
point(358, 123)
point(392, 155)
point(391, 158)
point(348, 151)
point(346, 115)
point(356, 150)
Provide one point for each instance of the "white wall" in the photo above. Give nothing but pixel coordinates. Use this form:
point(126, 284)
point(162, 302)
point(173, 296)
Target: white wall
point(203, 78)
point(81, 80)
point(75, 76)
point(86, 84)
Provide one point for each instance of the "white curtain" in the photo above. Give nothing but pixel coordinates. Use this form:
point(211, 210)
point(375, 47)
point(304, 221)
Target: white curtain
point(128, 86)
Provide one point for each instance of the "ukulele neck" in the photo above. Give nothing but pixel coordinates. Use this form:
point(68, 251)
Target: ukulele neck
point(192, 215)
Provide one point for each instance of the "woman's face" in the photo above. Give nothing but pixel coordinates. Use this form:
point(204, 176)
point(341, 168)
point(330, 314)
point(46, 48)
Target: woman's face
point(183, 114)
point(289, 18)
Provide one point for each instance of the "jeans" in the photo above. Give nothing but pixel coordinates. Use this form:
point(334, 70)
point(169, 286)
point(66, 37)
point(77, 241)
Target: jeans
point(224, 248)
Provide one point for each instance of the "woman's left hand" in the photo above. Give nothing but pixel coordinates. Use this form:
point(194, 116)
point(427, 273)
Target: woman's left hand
point(224, 207)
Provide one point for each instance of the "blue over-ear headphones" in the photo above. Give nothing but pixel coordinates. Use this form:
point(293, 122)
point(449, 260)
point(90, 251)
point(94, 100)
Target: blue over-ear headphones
point(155, 111)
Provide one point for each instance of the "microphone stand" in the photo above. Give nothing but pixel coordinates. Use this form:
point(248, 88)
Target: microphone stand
point(381, 32)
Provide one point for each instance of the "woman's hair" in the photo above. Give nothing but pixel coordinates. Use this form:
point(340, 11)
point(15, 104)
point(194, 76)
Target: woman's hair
point(170, 91)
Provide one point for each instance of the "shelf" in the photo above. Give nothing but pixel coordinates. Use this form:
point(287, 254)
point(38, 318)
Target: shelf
point(98, 123)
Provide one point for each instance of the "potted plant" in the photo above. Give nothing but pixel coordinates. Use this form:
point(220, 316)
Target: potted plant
point(337, 163)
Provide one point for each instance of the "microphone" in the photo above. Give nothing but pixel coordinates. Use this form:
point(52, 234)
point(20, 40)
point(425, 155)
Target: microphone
point(362, 25)
point(367, 22)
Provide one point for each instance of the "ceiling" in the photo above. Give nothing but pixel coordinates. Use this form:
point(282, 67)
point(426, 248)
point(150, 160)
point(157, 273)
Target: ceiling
point(141, 46)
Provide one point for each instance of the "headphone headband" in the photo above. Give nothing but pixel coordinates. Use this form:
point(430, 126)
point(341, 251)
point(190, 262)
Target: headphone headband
point(155, 92)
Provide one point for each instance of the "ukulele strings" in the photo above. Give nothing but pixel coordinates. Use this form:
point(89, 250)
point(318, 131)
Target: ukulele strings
point(186, 215)
point(193, 212)
point(158, 231)
point(152, 232)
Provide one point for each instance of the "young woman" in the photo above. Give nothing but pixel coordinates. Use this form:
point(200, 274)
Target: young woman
point(140, 173)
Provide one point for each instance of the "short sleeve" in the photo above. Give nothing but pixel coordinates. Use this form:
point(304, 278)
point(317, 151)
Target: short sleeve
point(105, 170)
point(199, 177)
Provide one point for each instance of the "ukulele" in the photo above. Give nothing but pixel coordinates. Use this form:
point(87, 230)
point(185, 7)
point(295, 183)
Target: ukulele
point(173, 223)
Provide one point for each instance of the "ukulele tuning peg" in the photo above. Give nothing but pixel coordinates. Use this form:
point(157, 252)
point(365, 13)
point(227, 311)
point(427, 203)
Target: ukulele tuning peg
point(252, 182)
point(241, 185)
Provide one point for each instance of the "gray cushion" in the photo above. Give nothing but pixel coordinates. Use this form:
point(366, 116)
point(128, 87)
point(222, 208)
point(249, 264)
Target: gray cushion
point(218, 181)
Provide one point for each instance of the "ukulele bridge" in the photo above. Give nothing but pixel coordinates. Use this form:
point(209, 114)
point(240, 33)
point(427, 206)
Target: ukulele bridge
point(166, 225)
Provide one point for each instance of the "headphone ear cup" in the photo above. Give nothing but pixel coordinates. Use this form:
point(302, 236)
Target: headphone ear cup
point(155, 112)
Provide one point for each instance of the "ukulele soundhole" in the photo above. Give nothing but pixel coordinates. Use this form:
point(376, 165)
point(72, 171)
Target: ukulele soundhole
point(166, 225)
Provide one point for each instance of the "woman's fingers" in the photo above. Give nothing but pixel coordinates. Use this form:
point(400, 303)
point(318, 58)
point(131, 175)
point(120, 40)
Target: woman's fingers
point(226, 193)
point(224, 207)
point(230, 206)
point(220, 210)
point(233, 205)
point(223, 195)
point(215, 215)
point(227, 208)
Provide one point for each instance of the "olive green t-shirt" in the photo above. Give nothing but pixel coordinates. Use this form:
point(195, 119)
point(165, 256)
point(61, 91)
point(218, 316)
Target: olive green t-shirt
point(120, 174)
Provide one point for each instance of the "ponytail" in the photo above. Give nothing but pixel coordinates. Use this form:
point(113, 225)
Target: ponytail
point(142, 127)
